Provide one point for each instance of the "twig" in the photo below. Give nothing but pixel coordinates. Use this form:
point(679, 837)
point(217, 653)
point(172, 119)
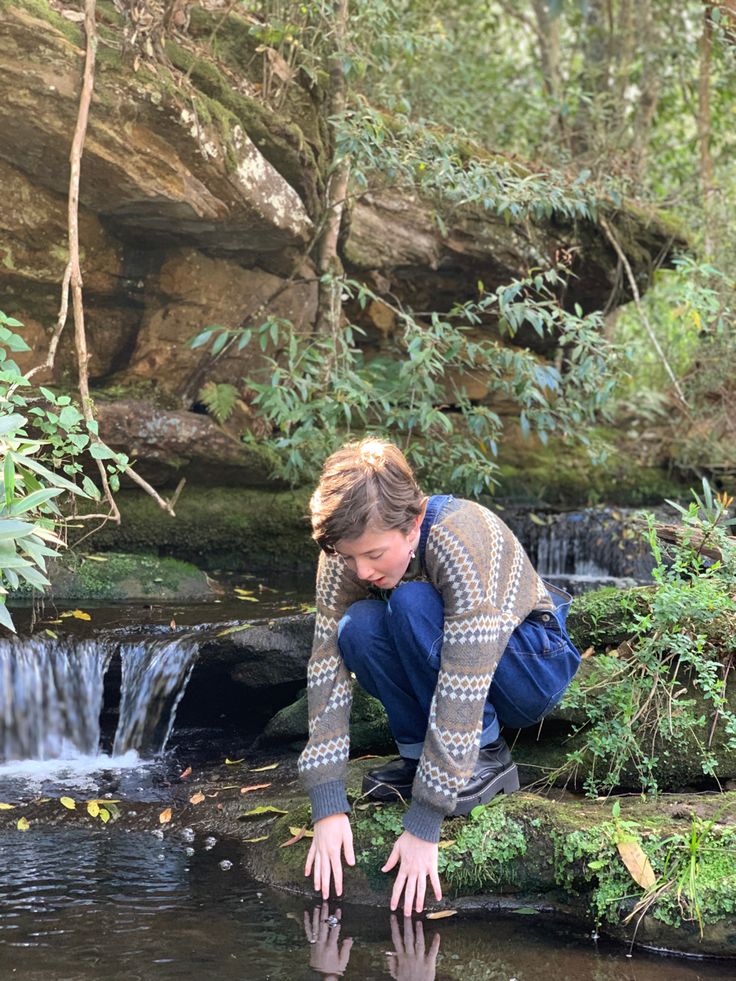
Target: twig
point(642, 313)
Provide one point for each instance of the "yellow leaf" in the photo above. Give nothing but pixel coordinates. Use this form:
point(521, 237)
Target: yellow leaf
point(196, 798)
point(7, 807)
point(255, 786)
point(95, 558)
point(248, 599)
point(637, 863)
point(262, 838)
point(23, 825)
point(303, 832)
point(257, 811)
point(165, 816)
point(261, 769)
point(68, 802)
point(234, 630)
point(447, 844)
point(104, 815)
point(77, 614)
point(441, 914)
point(52, 634)
point(93, 808)
point(233, 762)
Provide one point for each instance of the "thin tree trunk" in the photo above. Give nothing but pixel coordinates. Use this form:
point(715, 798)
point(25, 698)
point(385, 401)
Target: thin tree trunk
point(548, 35)
point(704, 129)
point(329, 308)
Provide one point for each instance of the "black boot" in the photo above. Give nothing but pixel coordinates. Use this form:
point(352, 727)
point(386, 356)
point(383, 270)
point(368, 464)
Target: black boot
point(494, 772)
point(392, 781)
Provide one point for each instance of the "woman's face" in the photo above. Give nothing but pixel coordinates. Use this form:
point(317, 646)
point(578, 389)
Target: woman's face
point(379, 557)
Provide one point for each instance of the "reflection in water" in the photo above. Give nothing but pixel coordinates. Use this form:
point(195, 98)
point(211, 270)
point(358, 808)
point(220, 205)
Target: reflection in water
point(126, 906)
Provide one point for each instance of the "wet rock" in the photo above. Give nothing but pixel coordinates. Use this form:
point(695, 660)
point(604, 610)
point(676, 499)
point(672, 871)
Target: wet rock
point(265, 654)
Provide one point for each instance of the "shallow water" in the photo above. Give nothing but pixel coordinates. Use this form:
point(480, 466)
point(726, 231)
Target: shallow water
point(125, 906)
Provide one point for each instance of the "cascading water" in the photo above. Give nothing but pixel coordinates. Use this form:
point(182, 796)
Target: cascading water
point(52, 692)
point(50, 697)
point(155, 676)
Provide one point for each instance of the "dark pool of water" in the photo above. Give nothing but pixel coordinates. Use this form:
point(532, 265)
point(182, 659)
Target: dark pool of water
point(122, 906)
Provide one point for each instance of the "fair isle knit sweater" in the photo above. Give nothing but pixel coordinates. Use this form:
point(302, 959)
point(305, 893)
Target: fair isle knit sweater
point(488, 587)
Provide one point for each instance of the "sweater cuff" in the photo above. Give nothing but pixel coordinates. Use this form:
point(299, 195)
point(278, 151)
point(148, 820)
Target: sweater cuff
point(328, 798)
point(423, 821)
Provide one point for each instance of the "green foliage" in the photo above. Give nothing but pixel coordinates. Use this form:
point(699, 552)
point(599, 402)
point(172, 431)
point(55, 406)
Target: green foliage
point(487, 845)
point(219, 399)
point(319, 389)
point(666, 692)
point(37, 425)
point(695, 870)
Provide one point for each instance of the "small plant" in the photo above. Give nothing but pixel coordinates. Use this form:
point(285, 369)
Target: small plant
point(219, 400)
point(663, 692)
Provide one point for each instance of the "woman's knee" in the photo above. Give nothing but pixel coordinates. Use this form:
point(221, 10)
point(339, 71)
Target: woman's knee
point(412, 601)
point(363, 622)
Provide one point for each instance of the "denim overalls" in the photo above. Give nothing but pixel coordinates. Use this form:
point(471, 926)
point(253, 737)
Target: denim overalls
point(393, 646)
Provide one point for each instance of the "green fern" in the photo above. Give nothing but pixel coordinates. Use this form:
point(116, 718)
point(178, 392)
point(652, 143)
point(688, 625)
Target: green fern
point(219, 400)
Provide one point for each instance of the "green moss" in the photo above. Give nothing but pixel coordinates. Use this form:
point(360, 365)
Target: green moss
point(218, 527)
point(41, 9)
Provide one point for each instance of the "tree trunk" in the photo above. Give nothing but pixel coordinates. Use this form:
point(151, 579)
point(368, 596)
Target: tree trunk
point(704, 129)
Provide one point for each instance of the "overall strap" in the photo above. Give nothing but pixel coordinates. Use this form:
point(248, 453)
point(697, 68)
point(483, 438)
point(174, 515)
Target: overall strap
point(435, 504)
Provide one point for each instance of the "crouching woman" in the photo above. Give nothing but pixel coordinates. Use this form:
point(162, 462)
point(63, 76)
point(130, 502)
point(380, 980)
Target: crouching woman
point(433, 605)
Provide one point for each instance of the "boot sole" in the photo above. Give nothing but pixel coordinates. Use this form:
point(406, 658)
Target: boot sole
point(506, 782)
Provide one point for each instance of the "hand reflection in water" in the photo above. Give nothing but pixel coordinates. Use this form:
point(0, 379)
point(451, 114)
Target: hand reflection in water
point(323, 933)
point(410, 963)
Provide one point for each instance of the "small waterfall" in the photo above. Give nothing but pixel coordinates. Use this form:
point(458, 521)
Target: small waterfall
point(155, 675)
point(50, 697)
point(52, 693)
point(581, 550)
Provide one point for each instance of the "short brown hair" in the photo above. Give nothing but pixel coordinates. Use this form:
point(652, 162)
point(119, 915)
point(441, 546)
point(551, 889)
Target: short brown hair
point(366, 484)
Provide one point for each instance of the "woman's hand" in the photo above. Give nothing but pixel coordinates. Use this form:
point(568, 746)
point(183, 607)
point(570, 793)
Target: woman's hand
point(332, 836)
point(417, 859)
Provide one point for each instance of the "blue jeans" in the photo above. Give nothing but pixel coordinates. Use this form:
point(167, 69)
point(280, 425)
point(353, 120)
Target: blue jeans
point(394, 649)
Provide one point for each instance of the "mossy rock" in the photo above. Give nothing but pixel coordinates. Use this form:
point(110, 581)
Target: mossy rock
point(604, 618)
point(119, 577)
point(218, 527)
point(530, 851)
point(369, 728)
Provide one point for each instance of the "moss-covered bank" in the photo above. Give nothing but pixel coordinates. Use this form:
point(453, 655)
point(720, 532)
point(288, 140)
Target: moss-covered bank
point(217, 527)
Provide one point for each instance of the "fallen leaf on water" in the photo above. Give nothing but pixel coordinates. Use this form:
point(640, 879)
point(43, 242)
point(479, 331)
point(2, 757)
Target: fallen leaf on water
point(52, 634)
point(233, 762)
point(261, 838)
point(68, 802)
point(261, 769)
point(104, 815)
point(77, 614)
point(197, 798)
point(6, 807)
point(257, 811)
point(441, 914)
point(255, 786)
point(93, 808)
point(637, 863)
point(165, 816)
point(23, 824)
point(185, 773)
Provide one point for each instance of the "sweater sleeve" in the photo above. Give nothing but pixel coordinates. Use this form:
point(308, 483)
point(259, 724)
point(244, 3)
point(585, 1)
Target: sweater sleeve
point(329, 693)
point(488, 586)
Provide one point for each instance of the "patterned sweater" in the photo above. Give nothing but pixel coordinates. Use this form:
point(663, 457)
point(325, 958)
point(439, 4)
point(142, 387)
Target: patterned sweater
point(488, 587)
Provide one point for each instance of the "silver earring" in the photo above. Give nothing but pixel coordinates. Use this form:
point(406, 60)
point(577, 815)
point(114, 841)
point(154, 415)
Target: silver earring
point(412, 553)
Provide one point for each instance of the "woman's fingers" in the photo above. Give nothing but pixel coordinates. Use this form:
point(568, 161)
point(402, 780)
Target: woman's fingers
point(421, 891)
point(434, 878)
point(399, 884)
point(409, 893)
point(337, 874)
point(310, 860)
point(349, 850)
point(347, 946)
point(392, 859)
